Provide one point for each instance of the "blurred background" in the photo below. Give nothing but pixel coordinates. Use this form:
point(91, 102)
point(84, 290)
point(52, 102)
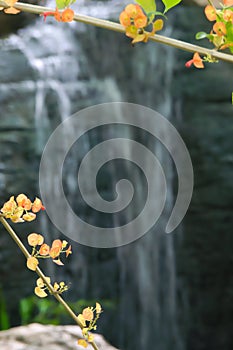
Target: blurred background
point(163, 291)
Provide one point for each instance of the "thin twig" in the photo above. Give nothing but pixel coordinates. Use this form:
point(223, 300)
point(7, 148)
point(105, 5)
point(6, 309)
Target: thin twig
point(42, 276)
point(119, 28)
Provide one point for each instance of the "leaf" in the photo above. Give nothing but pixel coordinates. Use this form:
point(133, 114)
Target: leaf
point(147, 5)
point(201, 35)
point(61, 4)
point(169, 4)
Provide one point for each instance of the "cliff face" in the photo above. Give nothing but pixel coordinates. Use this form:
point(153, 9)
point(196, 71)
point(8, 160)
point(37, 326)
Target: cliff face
point(205, 259)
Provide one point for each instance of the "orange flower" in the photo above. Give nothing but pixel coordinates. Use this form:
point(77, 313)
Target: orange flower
point(15, 210)
point(9, 207)
point(124, 19)
point(133, 10)
point(88, 314)
point(56, 14)
point(35, 239)
point(20, 199)
point(68, 251)
point(54, 252)
point(219, 28)
point(228, 15)
point(56, 248)
point(23, 201)
point(37, 205)
point(57, 243)
point(67, 15)
point(196, 61)
point(140, 21)
point(44, 249)
point(228, 2)
point(226, 46)
point(210, 13)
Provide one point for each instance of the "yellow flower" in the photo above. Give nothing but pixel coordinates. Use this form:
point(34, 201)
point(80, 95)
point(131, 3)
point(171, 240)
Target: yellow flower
point(81, 320)
point(40, 283)
point(88, 314)
point(90, 338)
point(11, 10)
point(40, 292)
point(32, 263)
point(29, 216)
point(98, 308)
point(82, 343)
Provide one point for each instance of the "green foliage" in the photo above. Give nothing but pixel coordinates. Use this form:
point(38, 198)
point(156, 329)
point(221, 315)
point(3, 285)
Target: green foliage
point(149, 6)
point(46, 311)
point(4, 319)
point(201, 35)
point(61, 4)
point(170, 4)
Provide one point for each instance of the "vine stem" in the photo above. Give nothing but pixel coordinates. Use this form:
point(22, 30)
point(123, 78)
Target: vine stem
point(42, 276)
point(119, 28)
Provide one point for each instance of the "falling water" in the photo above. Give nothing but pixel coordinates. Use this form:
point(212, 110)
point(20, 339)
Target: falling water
point(63, 74)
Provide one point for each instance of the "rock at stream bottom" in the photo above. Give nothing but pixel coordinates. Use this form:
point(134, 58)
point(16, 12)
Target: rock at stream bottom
point(37, 336)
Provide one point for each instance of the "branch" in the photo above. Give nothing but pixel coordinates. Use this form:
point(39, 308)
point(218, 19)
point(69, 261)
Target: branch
point(42, 276)
point(119, 28)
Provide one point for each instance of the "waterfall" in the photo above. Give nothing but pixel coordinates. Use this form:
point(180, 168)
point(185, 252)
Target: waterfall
point(66, 68)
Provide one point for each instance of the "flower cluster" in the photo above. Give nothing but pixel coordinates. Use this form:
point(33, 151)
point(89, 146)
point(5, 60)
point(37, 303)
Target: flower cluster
point(197, 61)
point(66, 15)
point(135, 21)
point(87, 320)
point(41, 288)
point(21, 209)
point(43, 250)
point(221, 34)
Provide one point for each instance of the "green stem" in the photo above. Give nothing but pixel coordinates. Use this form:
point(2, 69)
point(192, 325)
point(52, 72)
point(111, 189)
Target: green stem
point(119, 28)
point(41, 275)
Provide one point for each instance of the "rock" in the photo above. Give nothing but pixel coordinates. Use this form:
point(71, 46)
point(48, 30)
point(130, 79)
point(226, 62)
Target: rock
point(37, 336)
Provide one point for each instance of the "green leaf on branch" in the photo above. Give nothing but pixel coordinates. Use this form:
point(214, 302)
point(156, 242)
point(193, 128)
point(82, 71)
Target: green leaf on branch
point(61, 4)
point(169, 4)
point(201, 35)
point(147, 5)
